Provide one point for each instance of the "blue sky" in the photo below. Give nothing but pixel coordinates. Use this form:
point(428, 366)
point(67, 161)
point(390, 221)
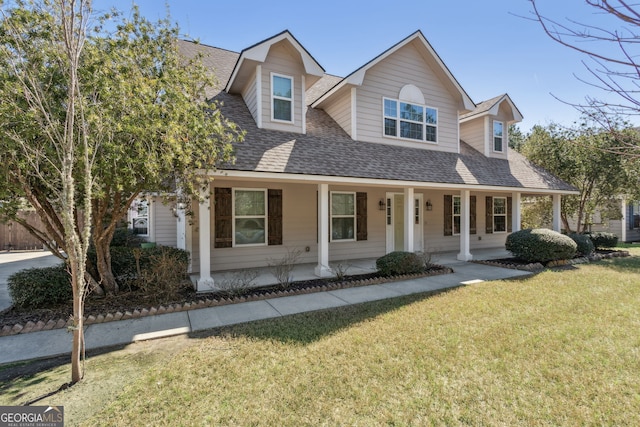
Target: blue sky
point(488, 45)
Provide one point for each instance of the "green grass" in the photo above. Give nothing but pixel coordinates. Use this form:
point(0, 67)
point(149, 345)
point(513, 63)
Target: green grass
point(560, 348)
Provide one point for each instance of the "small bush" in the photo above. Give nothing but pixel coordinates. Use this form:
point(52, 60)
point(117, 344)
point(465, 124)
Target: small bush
point(602, 239)
point(540, 245)
point(584, 243)
point(397, 263)
point(163, 271)
point(126, 237)
point(283, 267)
point(40, 287)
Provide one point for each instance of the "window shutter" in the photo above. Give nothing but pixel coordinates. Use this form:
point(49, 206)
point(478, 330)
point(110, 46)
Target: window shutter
point(630, 216)
point(489, 215)
point(223, 218)
point(275, 217)
point(509, 216)
point(448, 215)
point(361, 216)
point(472, 215)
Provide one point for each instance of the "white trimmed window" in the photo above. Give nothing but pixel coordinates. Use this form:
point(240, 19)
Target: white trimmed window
point(456, 210)
point(249, 217)
point(498, 136)
point(343, 216)
point(499, 214)
point(410, 121)
point(139, 217)
point(281, 98)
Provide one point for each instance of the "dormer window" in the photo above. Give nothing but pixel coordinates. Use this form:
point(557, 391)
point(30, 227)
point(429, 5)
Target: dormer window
point(410, 121)
point(281, 98)
point(498, 136)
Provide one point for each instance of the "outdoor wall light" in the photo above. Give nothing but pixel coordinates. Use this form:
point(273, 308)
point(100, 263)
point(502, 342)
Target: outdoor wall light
point(382, 205)
point(429, 205)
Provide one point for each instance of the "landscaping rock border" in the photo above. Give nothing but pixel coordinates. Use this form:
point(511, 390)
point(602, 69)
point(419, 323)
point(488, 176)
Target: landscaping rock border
point(536, 267)
point(211, 300)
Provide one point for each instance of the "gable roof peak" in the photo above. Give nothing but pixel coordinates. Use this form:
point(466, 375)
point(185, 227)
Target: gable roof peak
point(491, 107)
point(257, 53)
point(357, 77)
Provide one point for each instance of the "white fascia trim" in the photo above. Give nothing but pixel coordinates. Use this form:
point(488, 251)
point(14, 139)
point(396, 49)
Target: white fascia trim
point(371, 182)
point(259, 96)
point(354, 115)
point(304, 105)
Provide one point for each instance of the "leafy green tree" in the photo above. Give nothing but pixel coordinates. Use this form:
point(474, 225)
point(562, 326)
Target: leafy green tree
point(158, 131)
point(585, 157)
point(89, 120)
point(149, 125)
point(516, 138)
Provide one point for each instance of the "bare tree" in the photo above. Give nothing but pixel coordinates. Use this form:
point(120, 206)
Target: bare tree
point(611, 45)
point(46, 38)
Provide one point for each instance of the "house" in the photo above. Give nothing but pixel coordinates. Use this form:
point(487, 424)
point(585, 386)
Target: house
point(622, 218)
point(394, 156)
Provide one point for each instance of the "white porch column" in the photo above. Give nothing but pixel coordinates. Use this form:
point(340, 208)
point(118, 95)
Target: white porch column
point(181, 227)
point(516, 211)
point(205, 282)
point(557, 222)
point(465, 212)
point(625, 219)
point(409, 196)
point(323, 269)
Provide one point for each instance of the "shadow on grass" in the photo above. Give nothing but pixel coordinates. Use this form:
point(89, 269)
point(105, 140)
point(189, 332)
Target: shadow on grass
point(306, 328)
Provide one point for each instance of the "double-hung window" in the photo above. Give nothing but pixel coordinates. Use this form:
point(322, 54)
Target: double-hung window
point(281, 98)
point(498, 136)
point(343, 216)
point(410, 121)
point(140, 217)
point(499, 214)
point(249, 217)
point(456, 211)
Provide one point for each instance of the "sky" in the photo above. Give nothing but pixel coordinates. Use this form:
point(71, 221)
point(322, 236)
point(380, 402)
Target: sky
point(489, 46)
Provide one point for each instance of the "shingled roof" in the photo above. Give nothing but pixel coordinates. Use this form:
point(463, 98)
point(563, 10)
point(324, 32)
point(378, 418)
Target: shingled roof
point(327, 150)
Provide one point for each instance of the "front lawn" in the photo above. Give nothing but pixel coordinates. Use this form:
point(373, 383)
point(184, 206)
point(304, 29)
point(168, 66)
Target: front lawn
point(560, 348)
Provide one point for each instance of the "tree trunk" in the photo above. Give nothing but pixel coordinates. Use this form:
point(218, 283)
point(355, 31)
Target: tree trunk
point(103, 262)
point(77, 349)
point(93, 284)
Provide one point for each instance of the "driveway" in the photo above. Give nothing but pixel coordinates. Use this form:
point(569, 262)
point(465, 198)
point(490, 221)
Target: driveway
point(11, 262)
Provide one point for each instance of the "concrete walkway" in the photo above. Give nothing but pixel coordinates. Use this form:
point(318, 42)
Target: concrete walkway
point(43, 344)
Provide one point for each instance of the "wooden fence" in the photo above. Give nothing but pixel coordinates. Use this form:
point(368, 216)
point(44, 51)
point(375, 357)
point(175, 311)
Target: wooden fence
point(13, 236)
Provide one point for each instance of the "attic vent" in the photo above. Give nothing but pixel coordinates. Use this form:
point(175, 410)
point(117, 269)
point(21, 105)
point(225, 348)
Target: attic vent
point(412, 94)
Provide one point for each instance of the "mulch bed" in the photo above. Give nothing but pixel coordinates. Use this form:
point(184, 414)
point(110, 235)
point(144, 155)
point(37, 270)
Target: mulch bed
point(520, 264)
point(134, 304)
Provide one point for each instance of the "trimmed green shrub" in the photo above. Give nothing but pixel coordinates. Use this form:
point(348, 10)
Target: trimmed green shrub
point(602, 239)
point(585, 245)
point(126, 237)
point(40, 287)
point(540, 245)
point(396, 263)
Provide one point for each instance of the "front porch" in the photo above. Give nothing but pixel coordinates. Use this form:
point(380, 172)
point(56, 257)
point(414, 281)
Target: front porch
point(307, 271)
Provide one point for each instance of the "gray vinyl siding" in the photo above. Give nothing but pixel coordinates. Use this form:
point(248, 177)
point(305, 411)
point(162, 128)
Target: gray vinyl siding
point(340, 110)
point(164, 224)
point(436, 241)
point(503, 115)
point(385, 79)
point(281, 61)
point(250, 98)
point(473, 133)
point(299, 217)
